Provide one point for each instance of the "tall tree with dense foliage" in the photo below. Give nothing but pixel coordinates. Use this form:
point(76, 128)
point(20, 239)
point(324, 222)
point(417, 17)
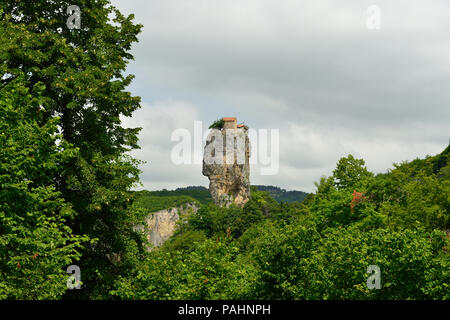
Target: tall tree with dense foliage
point(36, 245)
point(81, 76)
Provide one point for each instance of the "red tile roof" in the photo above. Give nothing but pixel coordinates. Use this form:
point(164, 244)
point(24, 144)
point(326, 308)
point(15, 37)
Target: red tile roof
point(229, 119)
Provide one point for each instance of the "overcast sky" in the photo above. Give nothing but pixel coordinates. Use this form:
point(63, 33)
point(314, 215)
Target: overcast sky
point(311, 69)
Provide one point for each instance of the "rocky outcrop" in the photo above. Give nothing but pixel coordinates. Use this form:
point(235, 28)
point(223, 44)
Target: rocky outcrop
point(226, 164)
point(161, 225)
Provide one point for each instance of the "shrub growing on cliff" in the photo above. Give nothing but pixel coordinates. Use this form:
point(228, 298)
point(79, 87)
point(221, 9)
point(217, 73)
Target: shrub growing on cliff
point(218, 124)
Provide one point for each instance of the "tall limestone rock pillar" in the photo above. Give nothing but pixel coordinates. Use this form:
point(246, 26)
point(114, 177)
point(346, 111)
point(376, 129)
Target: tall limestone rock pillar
point(226, 163)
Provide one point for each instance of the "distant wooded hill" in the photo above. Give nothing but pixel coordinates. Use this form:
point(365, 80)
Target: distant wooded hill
point(282, 195)
point(161, 199)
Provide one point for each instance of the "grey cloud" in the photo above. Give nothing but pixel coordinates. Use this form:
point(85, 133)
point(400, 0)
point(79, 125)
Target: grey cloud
point(310, 68)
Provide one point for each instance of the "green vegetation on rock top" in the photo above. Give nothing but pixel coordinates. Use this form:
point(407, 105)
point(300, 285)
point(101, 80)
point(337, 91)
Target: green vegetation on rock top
point(218, 124)
point(154, 201)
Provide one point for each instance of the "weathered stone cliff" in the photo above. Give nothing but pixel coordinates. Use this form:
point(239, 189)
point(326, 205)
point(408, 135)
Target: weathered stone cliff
point(162, 224)
point(226, 164)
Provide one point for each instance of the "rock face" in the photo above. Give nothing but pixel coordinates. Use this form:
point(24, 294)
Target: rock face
point(226, 164)
point(162, 224)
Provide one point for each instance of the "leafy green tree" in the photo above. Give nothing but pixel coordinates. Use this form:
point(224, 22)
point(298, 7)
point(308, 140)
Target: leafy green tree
point(281, 254)
point(211, 270)
point(215, 220)
point(81, 72)
point(414, 194)
point(185, 241)
point(334, 203)
point(413, 265)
point(351, 173)
point(296, 262)
point(424, 202)
point(36, 245)
point(202, 220)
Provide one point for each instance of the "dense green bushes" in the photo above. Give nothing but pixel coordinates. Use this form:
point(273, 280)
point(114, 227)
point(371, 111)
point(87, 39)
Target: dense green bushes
point(333, 266)
point(36, 245)
point(209, 271)
point(318, 249)
point(215, 220)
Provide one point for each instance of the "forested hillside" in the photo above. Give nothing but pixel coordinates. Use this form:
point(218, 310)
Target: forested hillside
point(154, 200)
point(199, 193)
point(318, 249)
point(281, 195)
